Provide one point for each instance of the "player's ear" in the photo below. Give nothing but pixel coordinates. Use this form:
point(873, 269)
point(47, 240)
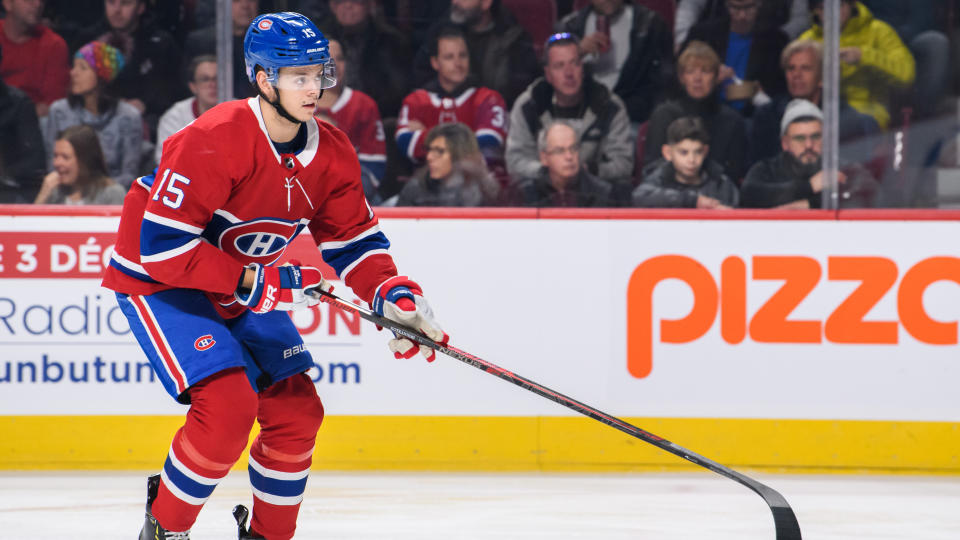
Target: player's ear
point(265, 87)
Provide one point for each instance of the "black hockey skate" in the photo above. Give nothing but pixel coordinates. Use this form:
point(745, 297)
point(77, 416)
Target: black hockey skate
point(151, 529)
point(240, 513)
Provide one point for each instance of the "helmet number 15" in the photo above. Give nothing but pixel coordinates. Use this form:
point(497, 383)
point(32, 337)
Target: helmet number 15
point(309, 33)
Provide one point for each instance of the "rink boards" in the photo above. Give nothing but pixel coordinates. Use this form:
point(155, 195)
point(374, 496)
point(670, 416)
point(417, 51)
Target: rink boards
point(809, 342)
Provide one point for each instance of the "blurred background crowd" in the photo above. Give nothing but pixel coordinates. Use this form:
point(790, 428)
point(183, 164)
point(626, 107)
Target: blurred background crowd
point(560, 103)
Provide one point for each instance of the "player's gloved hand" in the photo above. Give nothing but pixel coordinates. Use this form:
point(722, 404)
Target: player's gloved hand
point(281, 287)
point(401, 300)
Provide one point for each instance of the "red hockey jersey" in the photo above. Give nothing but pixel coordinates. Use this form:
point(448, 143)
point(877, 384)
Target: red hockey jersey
point(223, 197)
point(356, 114)
point(482, 109)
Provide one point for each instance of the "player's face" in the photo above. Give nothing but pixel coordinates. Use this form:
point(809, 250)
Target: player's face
point(204, 83)
point(803, 75)
point(698, 80)
point(349, 12)
point(804, 140)
point(83, 79)
point(687, 157)
point(65, 162)
point(299, 89)
point(26, 11)
point(242, 13)
point(452, 62)
point(564, 69)
point(123, 14)
point(439, 161)
point(562, 154)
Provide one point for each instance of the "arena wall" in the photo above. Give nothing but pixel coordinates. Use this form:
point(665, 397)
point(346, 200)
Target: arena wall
point(788, 341)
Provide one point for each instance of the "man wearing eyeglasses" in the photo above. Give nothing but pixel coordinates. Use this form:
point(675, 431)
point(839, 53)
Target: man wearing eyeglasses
point(794, 178)
point(203, 87)
point(565, 92)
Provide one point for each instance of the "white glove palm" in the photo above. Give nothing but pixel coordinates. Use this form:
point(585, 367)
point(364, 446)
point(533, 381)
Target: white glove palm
point(401, 300)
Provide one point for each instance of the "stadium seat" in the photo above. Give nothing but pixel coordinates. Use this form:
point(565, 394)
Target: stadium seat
point(537, 17)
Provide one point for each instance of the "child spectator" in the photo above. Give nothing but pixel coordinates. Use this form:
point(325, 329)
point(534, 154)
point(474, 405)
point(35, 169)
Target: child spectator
point(455, 174)
point(117, 123)
point(685, 178)
point(203, 86)
point(357, 115)
point(79, 174)
point(35, 58)
point(697, 68)
point(562, 181)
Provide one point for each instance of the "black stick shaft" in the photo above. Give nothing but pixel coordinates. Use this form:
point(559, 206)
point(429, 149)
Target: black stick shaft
point(784, 519)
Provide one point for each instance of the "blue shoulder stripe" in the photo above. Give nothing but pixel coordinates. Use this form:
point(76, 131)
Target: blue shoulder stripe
point(157, 238)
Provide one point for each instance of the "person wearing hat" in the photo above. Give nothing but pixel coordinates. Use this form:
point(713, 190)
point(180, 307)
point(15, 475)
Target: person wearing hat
point(794, 178)
point(118, 124)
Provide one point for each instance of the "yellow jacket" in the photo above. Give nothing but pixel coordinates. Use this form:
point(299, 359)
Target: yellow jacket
point(885, 62)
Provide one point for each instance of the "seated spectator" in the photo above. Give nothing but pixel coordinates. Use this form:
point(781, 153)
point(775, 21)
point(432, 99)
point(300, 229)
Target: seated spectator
point(803, 64)
point(562, 181)
point(203, 41)
point(117, 123)
point(791, 16)
point(35, 57)
point(872, 59)
point(627, 48)
point(501, 51)
point(379, 51)
point(685, 178)
point(22, 157)
point(917, 25)
point(203, 86)
point(697, 70)
point(79, 174)
point(455, 174)
point(150, 74)
point(794, 179)
point(751, 72)
point(565, 92)
point(452, 97)
point(357, 115)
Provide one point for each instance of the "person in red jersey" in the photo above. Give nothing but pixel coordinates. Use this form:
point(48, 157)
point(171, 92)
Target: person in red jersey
point(357, 115)
point(453, 97)
point(194, 271)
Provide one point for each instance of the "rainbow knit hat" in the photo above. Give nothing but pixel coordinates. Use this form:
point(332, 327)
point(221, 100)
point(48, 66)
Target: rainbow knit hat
point(105, 59)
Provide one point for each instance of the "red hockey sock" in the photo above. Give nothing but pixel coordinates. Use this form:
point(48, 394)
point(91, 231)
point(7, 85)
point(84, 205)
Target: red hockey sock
point(290, 415)
point(222, 411)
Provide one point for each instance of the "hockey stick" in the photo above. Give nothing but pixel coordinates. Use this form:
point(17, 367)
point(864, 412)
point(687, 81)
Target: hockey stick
point(784, 519)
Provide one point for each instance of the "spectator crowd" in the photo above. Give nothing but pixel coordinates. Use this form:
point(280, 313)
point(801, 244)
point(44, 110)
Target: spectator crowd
point(563, 103)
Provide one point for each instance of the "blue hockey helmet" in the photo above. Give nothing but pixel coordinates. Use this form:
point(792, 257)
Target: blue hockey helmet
point(287, 39)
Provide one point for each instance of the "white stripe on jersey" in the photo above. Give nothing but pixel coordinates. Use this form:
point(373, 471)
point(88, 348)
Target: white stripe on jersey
point(126, 263)
point(337, 245)
point(171, 253)
point(351, 266)
point(173, 224)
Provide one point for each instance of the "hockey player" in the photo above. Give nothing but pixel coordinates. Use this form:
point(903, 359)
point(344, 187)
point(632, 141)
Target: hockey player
point(452, 97)
point(194, 273)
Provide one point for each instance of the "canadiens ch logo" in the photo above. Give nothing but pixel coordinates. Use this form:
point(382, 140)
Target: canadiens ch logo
point(261, 241)
point(265, 24)
point(204, 342)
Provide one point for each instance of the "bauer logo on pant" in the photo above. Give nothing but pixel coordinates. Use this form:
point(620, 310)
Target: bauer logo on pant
point(204, 342)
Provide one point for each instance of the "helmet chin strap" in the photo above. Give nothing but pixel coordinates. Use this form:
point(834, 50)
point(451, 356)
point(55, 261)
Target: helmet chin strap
point(281, 110)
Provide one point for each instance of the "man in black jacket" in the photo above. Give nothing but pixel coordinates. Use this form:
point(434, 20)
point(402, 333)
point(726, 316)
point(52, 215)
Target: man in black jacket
point(628, 48)
point(562, 181)
point(22, 157)
point(501, 51)
point(794, 178)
